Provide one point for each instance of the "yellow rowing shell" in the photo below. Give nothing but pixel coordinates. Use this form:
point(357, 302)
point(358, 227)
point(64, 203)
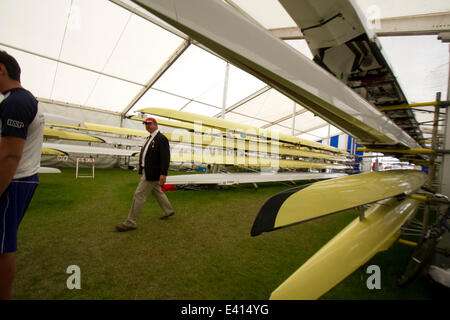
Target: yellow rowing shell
point(265, 147)
point(322, 198)
point(238, 127)
point(50, 151)
point(65, 135)
point(257, 162)
point(351, 248)
point(103, 128)
point(213, 141)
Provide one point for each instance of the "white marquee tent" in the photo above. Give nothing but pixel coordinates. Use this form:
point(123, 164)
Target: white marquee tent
point(100, 60)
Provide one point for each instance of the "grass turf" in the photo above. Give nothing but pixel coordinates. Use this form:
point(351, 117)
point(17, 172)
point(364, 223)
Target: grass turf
point(203, 252)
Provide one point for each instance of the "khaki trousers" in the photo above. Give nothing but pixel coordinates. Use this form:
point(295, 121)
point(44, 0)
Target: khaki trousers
point(143, 190)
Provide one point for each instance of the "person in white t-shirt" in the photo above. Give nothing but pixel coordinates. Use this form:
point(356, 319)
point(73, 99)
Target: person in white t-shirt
point(22, 127)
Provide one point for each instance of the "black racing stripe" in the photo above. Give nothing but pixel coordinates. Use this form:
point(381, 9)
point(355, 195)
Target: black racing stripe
point(265, 220)
point(65, 153)
point(103, 141)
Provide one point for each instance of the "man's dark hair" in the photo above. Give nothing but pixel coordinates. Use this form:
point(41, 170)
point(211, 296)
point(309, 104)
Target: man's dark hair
point(11, 65)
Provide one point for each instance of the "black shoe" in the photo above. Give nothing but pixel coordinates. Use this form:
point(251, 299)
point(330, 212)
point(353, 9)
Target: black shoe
point(122, 228)
point(165, 217)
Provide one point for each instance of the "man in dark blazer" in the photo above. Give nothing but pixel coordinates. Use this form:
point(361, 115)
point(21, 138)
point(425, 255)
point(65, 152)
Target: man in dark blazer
point(153, 165)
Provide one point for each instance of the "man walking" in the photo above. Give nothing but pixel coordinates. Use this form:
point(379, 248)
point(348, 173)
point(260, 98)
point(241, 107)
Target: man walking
point(22, 127)
point(154, 162)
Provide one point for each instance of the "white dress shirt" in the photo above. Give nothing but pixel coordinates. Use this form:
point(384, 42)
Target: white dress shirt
point(149, 140)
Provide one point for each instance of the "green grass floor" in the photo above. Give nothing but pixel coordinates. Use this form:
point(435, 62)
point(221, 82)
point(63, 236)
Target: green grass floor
point(205, 251)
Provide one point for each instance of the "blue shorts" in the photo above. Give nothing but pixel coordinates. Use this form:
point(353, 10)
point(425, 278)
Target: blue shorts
point(13, 205)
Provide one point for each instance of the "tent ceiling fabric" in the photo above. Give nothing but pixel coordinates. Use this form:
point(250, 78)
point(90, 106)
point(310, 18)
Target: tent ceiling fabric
point(104, 54)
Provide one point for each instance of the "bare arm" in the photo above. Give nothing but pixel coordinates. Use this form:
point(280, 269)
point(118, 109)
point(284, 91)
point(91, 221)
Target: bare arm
point(10, 153)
